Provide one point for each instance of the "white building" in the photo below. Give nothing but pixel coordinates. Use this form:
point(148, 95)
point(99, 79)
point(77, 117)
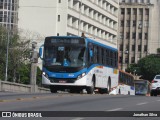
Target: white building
point(8, 14)
point(97, 18)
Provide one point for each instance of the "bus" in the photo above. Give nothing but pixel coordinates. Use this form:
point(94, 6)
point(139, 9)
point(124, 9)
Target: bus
point(142, 87)
point(77, 63)
point(125, 84)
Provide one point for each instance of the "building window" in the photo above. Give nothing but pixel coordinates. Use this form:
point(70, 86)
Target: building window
point(122, 11)
point(146, 11)
point(140, 11)
point(133, 47)
point(128, 23)
point(122, 23)
point(126, 60)
point(128, 11)
point(127, 35)
point(139, 48)
point(121, 47)
point(59, 18)
point(145, 48)
point(132, 59)
point(140, 35)
point(134, 23)
point(145, 36)
point(133, 35)
point(134, 11)
point(120, 59)
point(140, 24)
point(146, 23)
point(121, 35)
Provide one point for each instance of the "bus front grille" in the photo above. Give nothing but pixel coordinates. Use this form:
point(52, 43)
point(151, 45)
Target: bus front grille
point(62, 80)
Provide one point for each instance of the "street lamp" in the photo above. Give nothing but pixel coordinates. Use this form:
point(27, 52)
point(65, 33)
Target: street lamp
point(8, 40)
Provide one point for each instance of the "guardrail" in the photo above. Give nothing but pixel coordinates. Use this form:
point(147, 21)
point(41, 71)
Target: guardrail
point(17, 87)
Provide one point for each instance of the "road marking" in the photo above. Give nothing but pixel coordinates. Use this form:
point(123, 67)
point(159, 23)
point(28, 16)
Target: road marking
point(116, 109)
point(142, 103)
point(77, 119)
point(158, 100)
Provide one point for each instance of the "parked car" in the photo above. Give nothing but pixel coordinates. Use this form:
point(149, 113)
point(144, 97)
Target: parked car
point(155, 86)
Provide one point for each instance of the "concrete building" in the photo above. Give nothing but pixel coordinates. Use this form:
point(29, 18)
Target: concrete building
point(96, 18)
point(9, 14)
point(138, 30)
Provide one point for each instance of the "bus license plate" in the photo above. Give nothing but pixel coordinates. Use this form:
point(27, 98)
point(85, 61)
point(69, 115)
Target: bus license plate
point(62, 81)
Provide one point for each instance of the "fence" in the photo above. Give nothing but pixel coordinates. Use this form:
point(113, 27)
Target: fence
point(16, 87)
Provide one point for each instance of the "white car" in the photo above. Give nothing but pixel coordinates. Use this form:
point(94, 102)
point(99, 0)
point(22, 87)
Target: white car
point(155, 86)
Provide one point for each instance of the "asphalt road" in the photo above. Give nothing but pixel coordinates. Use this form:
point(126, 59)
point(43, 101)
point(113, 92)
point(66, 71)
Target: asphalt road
point(115, 106)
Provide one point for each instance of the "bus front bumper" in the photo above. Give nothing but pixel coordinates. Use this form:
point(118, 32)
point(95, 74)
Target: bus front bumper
point(63, 82)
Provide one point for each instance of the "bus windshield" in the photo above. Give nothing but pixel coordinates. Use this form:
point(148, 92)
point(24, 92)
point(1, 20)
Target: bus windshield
point(66, 56)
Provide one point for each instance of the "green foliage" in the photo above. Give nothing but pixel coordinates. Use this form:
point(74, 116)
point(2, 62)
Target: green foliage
point(24, 73)
point(134, 69)
point(18, 58)
point(149, 66)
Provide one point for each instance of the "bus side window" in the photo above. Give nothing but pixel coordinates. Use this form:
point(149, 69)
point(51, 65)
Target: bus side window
point(90, 53)
point(95, 54)
point(107, 57)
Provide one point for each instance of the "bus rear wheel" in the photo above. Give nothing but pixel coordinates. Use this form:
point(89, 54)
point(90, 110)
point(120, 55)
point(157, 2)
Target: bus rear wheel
point(53, 89)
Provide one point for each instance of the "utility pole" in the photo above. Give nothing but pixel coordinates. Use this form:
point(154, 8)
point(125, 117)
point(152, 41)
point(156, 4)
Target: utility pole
point(8, 40)
point(33, 74)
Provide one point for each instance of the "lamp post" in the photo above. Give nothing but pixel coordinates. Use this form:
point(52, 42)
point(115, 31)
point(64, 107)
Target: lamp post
point(8, 40)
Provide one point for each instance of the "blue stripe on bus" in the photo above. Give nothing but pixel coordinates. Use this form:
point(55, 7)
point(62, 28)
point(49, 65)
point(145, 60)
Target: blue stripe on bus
point(71, 75)
point(64, 75)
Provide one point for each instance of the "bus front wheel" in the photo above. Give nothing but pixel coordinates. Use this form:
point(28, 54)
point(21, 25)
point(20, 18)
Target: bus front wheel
point(90, 89)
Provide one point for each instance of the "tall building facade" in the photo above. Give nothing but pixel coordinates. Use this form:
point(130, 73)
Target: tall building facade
point(9, 14)
point(96, 18)
point(138, 30)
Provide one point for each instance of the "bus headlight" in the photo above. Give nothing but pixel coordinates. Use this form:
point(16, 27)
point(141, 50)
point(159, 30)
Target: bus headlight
point(45, 74)
point(80, 76)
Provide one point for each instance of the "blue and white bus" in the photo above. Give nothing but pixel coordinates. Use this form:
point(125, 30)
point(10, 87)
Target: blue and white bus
point(77, 63)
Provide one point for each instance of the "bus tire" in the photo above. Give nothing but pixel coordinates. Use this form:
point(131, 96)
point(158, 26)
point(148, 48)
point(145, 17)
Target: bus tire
point(119, 91)
point(109, 86)
point(90, 89)
point(129, 93)
point(53, 89)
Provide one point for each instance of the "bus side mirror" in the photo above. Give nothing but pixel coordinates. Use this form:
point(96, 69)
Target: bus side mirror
point(91, 53)
point(41, 52)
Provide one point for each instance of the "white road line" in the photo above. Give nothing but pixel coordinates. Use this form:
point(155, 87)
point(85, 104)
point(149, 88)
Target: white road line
point(77, 119)
point(158, 100)
point(116, 109)
point(142, 103)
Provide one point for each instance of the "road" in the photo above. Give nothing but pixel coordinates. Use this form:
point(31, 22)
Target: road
point(80, 103)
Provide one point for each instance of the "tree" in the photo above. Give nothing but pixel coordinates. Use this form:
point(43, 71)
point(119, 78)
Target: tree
point(149, 66)
point(134, 69)
point(18, 56)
